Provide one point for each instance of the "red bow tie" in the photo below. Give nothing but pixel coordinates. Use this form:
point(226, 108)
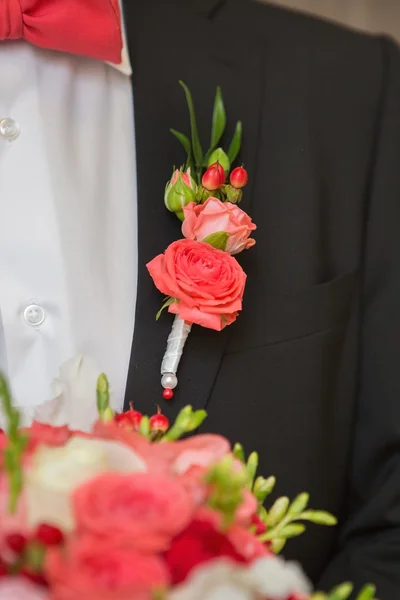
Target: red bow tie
point(89, 28)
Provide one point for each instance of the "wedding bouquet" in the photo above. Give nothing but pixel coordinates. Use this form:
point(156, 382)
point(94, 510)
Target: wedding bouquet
point(130, 511)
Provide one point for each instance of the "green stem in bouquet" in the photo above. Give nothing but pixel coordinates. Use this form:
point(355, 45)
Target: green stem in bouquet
point(103, 399)
point(344, 591)
point(16, 444)
point(187, 421)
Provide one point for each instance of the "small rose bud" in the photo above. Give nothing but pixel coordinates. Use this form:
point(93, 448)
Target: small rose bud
point(179, 192)
point(159, 422)
point(239, 178)
point(213, 178)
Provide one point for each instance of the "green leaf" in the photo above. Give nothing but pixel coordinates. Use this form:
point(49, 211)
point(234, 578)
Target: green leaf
point(367, 593)
point(221, 157)
point(299, 504)
point(252, 466)
point(219, 119)
point(262, 513)
point(278, 511)
point(319, 517)
point(292, 530)
point(236, 142)
point(238, 452)
point(277, 545)
point(342, 592)
point(144, 427)
point(196, 144)
point(184, 140)
point(197, 419)
point(217, 240)
point(165, 305)
point(263, 487)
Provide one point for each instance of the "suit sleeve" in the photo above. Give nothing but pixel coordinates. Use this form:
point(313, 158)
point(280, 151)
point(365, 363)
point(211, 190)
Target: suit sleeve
point(369, 549)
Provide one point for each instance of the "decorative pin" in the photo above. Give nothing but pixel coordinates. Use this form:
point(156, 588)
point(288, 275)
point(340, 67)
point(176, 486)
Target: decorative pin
point(173, 354)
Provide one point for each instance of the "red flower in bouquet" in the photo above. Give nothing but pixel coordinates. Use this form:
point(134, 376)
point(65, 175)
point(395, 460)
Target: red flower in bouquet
point(206, 284)
point(199, 543)
point(144, 510)
point(215, 217)
point(96, 569)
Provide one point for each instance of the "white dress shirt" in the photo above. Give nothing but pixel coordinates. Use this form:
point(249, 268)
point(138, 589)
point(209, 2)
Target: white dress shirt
point(68, 239)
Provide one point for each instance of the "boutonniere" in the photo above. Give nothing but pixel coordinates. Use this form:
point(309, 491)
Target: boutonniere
point(202, 282)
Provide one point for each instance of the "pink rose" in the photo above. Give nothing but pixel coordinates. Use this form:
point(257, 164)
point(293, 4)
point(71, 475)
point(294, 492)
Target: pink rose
point(214, 216)
point(145, 510)
point(207, 284)
point(198, 451)
point(96, 569)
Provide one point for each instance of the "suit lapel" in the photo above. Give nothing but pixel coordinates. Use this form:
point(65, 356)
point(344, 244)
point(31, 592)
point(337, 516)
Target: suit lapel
point(169, 41)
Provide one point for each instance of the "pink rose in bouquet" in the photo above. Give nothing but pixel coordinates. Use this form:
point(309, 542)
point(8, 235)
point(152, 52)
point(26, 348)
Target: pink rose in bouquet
point(216, 217)
point(92, 569)
point(144, 510)
point(207, 284)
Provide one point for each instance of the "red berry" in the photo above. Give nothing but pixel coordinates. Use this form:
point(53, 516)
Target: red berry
point(239, 177)
point(159, 422)
point(214, 177)
point(168, 394)
point(16, 542)
point(49, 535)
point(130, 419)
point(34, 577)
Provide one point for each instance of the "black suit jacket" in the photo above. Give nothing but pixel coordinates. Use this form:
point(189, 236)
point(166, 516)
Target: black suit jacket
point(309, 375)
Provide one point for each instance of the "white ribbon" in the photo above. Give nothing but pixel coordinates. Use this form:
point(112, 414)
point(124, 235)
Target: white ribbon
point(175, 344)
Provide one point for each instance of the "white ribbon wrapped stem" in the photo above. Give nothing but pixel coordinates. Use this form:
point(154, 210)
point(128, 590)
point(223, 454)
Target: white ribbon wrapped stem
point(175, 345)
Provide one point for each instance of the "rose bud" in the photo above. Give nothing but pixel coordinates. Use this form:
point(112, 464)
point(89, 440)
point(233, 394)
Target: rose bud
point(239, 178)
point(179, 192)
point(220, 224)
point(213, 178)
point(159, 422)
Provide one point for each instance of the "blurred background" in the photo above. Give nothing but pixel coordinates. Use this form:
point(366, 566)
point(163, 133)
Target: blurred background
point(378, 16)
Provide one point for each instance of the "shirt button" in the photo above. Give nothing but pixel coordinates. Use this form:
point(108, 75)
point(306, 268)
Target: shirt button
point(9, 129)
point(34, 315)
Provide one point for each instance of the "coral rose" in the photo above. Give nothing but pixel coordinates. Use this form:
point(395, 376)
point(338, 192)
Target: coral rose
point(96, 569)
point(207, 285)
point(144, 510)
point(214, 216)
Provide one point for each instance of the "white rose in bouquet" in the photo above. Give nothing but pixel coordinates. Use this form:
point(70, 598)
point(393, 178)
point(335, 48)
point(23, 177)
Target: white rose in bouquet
point(54, 474)
point(267, 577)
